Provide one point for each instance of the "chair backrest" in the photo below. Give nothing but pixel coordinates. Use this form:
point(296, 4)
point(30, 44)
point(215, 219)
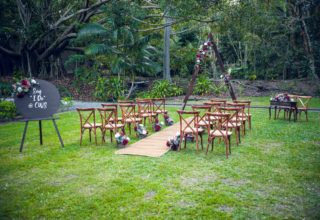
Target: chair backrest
point(186, 122)
point(202, 109)
point(216, 120)
point(158, 104)
point(107, 105)
point(87, 116)
point(242, 107)
point(224, 101)
point(303, 101)
point(125, 101)
point(108, 116)
point(128, 111)
point(214, 105)
point(246, 102)
point(233, 111)
point(144, 106)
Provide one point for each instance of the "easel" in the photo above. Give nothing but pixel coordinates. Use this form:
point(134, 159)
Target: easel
point(40, 130)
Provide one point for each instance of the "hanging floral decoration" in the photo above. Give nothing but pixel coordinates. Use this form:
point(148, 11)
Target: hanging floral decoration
point(121, 138)
point(204, 49)
point(173, 143)
point(141, 131)
point(23, 87)
point(167, 120)
point(157, 125)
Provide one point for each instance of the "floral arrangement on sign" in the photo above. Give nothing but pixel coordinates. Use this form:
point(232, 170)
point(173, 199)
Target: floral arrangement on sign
point(157, 125)
point(173, 143)
point(121, 138)
point(141, 131)
point(23, 87)
point(281, 98)
point(167, 120)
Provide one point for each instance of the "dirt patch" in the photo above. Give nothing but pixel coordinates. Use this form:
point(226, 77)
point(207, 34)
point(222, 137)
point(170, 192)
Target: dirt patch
point(150, 195)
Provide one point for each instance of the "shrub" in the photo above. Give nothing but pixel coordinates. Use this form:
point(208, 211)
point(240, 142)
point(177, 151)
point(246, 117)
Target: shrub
point(163, 89)
point(107, 89)
point(203, 85)
point(7, 110)
point(5, 90)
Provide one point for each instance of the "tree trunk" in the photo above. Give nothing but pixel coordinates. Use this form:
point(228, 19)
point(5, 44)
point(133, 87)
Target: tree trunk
point(166, 60)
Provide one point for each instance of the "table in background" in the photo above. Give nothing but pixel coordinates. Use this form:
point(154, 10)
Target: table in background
point(290, 106)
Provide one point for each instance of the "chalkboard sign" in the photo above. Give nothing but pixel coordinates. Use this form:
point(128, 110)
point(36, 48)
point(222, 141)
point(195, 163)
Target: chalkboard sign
point(42, 101)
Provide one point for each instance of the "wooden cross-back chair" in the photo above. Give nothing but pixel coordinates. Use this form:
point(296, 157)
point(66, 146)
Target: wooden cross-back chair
point(188, 126)
point(159, 106)
point(218, 130)
point(247, 112)
point(223, 101)
point(234, 122)
point(129, 115)
point(202, 109)
point(109, 119)
point(302, 103)
point(214, 105)
point(241, 114)
point(88, 122)
point(145, 110)
point(112, 105)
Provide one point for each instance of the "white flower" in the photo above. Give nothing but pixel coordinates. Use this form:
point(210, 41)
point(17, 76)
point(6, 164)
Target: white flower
point(229, 70)
point(117, 135)
point(205, 44)
point(128, 138)
point(33, 81)
point(19, 89)
point(221, 76)
point(198, 61)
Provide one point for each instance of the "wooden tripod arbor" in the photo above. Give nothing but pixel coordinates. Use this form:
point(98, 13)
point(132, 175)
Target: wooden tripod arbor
point(209, 45)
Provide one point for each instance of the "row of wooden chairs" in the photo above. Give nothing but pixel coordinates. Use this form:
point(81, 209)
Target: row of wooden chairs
point(219, 118)
point(110, 120)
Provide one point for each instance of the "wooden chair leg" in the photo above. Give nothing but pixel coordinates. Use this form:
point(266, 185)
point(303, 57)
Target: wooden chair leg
point(307, 115)
point(197, 142)
point(179, 148)
point(201, 139)
point(90, 135)
point(95, 136)
point(212, 144)
point(81, 133)
point(249, 119)
point(111, 134)
point(229, 141)
point(185, 141)
point(208, 145)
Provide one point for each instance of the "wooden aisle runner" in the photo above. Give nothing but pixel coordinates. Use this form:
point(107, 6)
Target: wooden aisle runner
point(153, 145)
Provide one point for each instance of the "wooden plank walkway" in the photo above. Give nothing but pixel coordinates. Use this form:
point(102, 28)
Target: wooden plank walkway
point(153, 145)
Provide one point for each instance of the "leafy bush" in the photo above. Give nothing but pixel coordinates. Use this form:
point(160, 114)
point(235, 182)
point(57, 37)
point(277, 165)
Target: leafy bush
point(7, 110)
point(5, 90)
point(107, 89)
point(163, 89)
point(203, 85)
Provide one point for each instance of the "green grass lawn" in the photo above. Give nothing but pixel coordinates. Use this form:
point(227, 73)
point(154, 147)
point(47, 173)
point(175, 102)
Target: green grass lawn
point(273, 174)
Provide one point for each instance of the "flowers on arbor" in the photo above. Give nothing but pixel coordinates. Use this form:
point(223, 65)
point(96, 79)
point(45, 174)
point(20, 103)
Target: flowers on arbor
point(23, 87)
point(203, 50)
point(121, 138)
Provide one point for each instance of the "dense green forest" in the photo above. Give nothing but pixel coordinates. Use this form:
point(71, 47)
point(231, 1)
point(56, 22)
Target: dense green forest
point(111, 41)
